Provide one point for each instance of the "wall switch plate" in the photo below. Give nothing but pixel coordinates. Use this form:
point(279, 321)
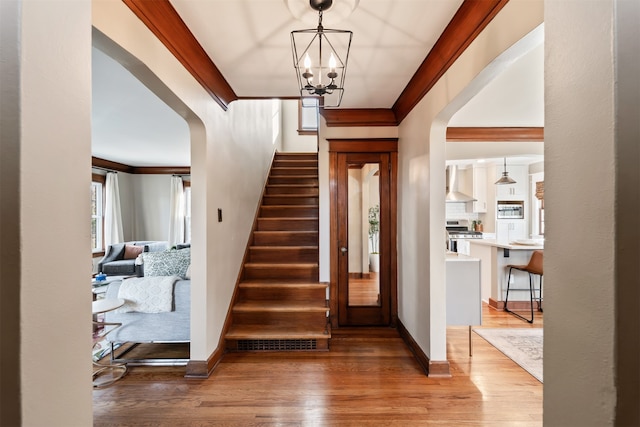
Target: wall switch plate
point(219, 215)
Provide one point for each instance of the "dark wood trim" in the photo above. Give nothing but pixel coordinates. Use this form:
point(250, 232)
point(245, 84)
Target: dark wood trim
point(97, 254)
point(333, 233)
point(388, 145)
point(162, 170)
point(493, 134)
point(96, 177)
point(470, 19)
point(99, 163)
point(393, 245)
point(431, 369)
point(359, 117)
point(163, 21)
point(307, 132)
point(364, 145)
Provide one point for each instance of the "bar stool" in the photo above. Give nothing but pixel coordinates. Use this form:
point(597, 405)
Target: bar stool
point(533, 267)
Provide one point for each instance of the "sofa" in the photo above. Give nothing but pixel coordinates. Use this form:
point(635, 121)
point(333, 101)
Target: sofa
point(120, 258)
point(170, 268)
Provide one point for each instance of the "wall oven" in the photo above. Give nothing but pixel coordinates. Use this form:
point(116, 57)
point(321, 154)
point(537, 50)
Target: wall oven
point(510, 209)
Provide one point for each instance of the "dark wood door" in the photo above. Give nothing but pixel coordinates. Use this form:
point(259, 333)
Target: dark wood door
point(364, 238)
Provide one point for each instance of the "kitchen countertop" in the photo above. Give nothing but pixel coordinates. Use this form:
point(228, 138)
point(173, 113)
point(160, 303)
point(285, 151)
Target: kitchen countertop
point(505, 245)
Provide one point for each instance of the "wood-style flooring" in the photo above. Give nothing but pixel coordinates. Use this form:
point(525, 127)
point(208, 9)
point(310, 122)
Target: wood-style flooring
point(368, 378)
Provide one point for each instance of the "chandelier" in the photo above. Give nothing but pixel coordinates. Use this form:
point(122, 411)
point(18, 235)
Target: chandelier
point(320, 58)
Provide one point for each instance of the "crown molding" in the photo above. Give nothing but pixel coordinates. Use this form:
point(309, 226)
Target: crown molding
point(470, 19)
point(163, 21)
point(99, 163)
point(359, 117)
point(495, 134)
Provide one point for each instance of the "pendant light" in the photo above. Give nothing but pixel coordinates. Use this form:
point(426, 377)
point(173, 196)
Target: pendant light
point(320, 58)
point(505, 178)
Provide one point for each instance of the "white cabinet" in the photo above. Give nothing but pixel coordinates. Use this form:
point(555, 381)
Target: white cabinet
point(510, 230)
point(517, 191)
point(480, 189)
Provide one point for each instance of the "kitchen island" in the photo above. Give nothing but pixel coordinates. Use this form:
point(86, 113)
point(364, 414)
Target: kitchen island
point(495, 256)
point(464, 303)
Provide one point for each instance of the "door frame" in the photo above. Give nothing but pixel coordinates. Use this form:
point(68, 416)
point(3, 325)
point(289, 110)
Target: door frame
point(365, 145)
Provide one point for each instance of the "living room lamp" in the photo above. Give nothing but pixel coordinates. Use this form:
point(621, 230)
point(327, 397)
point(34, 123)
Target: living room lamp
point(320, 58)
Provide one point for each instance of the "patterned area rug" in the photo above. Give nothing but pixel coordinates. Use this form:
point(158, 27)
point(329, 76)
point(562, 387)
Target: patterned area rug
point(523, 346)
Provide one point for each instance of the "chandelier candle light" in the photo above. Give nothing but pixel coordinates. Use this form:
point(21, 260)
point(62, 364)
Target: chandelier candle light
point(326, 51)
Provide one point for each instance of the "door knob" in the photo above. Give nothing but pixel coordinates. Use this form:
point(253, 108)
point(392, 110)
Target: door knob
point(343, 250)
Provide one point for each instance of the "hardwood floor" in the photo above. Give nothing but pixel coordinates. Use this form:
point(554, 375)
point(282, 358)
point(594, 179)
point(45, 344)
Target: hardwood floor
point(364, 291)
point(368, 378)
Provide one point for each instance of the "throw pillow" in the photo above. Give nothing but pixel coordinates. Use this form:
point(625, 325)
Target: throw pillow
point(132, 251)
point(167, 263)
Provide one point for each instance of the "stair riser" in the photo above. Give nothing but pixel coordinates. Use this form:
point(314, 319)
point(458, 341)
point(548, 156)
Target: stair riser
point(277, 255)
point(295, 164)
point(273, 272)
point(295, 156)
point(288, 212)
point(270, 200)
point(275, 224)
point(303, 191)
point(286, 238)
point(280, 319)
point(284, 295)
point(313, 172)
point(284, 180)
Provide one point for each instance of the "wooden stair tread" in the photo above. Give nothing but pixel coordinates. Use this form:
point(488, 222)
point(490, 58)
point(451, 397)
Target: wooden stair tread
point(243, 332)
point(293, 185)
point(294, 176)
point(283, 232)
point(287, 218)
point(280, 247)
point(283, 265)
point(275, 283)
point(279, 297)
point(278, 306)
point(289, 206)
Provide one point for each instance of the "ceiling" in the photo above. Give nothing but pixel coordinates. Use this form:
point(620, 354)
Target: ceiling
point(249, 42)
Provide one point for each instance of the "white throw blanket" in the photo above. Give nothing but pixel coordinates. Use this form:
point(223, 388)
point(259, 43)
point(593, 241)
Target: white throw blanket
point(147, 294)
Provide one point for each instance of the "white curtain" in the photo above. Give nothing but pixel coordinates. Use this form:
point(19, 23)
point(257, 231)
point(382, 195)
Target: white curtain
point(112, 215)
point(176, 219)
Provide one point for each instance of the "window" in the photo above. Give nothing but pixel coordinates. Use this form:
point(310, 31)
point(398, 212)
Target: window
point(308, 116)
point(97, 213)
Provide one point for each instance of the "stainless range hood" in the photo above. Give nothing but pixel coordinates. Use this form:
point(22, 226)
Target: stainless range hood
point(453, 195)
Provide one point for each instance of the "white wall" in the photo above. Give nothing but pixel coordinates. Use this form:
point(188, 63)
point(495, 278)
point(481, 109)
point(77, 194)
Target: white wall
point(592, 95)
point(151, 201)
point(231, 149)
point(46, 116)
point(422, 174)
point(291, 141)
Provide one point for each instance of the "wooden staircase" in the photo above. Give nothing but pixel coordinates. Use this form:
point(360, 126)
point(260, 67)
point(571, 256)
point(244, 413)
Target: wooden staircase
point(280, 304)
